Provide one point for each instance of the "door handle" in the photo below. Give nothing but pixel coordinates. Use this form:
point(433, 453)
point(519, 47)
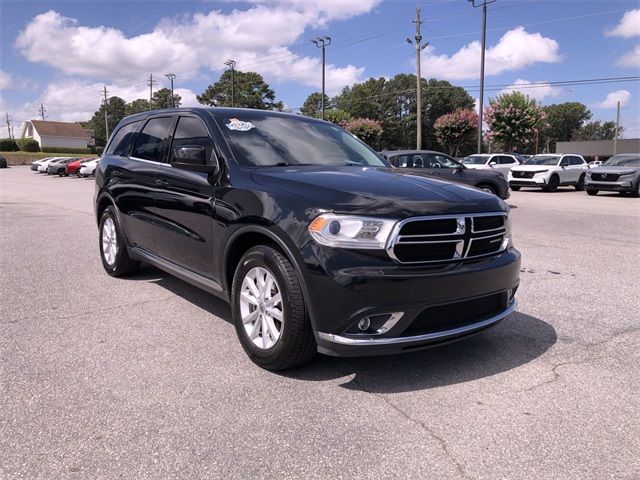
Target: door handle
point(162, 181)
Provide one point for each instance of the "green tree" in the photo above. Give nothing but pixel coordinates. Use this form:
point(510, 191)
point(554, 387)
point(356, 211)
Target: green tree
point(116, 111)
point(362, 100)
point(137, 106)
point(439, 98)
point(597, 130)
point(457, 129)
point(162, 99)
point(337, 116)
point(513, 120)
point(251, 91)
point(563, 120)
point(312, 106)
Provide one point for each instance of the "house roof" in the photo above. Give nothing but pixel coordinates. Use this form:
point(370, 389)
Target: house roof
point(59, 129)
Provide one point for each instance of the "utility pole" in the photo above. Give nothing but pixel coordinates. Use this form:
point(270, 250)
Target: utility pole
point(484, 42)
point(171, 77)
point(106, 118)
point(42, 111)
point(419, 48)
point(232, 65)
point(9, 126)
point(151, 82)
point(322, 42)
point(615, 140)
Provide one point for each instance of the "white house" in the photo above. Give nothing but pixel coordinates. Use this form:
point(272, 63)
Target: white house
point(56, 134)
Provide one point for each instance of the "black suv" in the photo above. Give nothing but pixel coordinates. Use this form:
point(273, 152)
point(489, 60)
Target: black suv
point(444, 167)
point(315, 240)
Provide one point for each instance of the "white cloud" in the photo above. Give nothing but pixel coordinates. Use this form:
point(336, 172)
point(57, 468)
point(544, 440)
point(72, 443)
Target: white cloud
point(539, 91)
point(613, 98)
point(258, 37)
point(5, 80)
point(628, 27)
point(515, 50)
point(630, 59)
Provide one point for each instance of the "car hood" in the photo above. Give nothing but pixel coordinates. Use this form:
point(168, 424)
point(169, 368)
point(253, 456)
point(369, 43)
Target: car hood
point(616, 170)
point(376, 191)
point(532, 168)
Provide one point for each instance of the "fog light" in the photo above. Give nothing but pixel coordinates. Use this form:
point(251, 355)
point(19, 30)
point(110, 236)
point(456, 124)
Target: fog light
point(364, 324)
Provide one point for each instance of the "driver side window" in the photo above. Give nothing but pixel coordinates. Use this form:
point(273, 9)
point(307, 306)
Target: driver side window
point(440, 161)
point(191, 132)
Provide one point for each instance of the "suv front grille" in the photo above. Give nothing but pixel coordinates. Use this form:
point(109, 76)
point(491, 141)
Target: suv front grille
point(520, 174)
point(444, 239)
point(456, 315)
point(605, 177)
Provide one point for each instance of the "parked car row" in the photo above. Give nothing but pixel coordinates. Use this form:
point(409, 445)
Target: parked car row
point(65, 166)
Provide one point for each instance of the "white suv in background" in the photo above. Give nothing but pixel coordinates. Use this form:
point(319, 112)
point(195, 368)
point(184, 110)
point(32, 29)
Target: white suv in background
point(500, 162)
point(549, 171)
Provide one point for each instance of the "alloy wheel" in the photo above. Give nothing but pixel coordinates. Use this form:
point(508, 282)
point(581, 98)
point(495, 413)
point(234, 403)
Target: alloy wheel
point(109, 241)
point(261, 308)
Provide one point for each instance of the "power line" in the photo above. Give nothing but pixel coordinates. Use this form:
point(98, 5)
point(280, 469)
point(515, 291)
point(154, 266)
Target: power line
point(106, 118)
point(150, 83)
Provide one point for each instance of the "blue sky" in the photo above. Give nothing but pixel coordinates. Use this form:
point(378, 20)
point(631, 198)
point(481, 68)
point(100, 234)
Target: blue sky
point(61, 53)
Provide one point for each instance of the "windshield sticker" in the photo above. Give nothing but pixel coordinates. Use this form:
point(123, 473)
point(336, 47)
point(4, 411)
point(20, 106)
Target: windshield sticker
point(240, 126)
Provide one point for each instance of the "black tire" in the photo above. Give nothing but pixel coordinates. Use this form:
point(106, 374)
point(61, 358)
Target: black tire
point(123, 264)
point(61, 172)
point(3, 162)
point(553, 184)
point(591, 192)
point(296, 343)
point(515, 189)
point(488, 188)
point(636, 192)
point(580, 184)
point(93, 174)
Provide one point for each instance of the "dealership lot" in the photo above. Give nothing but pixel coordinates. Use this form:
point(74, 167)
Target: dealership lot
point(144, 377)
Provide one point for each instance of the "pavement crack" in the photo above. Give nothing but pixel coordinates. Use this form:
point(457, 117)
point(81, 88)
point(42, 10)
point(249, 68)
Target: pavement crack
point(438, 438)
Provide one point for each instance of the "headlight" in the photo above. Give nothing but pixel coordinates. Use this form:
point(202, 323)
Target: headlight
point(627, 174)
point(540, 171)
point(347, 231)
point(508, 239)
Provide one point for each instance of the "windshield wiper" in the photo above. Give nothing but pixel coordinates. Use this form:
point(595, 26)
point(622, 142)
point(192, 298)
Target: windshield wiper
point(353, 164)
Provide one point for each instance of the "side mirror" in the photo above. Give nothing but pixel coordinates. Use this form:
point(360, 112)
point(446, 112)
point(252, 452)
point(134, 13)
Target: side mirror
point(193, 158)
point(492, 163)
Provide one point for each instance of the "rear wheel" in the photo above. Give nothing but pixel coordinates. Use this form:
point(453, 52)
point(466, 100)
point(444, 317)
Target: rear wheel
point(553, 184)
point(636, 192)
point(269, 312)
point(591, 192)
point(580, 184)
point(113, 250)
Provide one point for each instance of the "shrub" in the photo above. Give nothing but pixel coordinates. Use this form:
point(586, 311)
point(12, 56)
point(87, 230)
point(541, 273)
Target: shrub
point(453, 130)
point(367, 130)
point(65, 150)
point(8, 145)
point(28, 145)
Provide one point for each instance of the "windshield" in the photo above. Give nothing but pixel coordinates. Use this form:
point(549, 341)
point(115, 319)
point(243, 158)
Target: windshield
point(543, 160)
point(476, 159)
point(260, 138)
point(623, 161)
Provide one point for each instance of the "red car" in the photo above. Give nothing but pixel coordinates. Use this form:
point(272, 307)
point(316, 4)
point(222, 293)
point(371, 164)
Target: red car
point(73, 167)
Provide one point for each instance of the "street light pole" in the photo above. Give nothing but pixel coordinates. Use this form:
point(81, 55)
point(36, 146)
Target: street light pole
point(484, 42)
point(322, 42)
point(419, 48)
point(232, 65)
point(171, 77)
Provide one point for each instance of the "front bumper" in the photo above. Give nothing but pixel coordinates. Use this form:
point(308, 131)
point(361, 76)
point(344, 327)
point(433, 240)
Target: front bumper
point(619, 186)
point(528, 182)
point(346, 286)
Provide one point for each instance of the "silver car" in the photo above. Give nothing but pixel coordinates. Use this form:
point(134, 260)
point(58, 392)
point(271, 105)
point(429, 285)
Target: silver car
point(621, 173)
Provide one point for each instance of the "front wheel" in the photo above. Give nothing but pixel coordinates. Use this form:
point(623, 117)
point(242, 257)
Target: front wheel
point(113, 250)
point(591, 192)
point(269, 311)
point(553, 184)
point(515, 189)
point(580, 184)
point(488, 188)
point(636, 192)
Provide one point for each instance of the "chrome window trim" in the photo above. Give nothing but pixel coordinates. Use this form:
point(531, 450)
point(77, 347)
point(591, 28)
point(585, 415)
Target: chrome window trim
point(155, 162)
point(333, 338)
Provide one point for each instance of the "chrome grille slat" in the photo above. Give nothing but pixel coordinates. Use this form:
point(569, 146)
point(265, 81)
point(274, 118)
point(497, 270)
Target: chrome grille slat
point(477, 235)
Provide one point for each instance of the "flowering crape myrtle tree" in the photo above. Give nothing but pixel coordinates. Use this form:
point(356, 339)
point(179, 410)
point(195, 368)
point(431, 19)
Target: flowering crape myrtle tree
point(456, 129)
point(513, 120)
point(367, 130)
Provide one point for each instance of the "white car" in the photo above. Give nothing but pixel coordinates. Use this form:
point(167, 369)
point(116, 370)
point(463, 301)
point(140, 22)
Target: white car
point(549, 171)
point(44, 164)
point(88, 168)
point(36, 163)
point(595, 163)
point(501, 162)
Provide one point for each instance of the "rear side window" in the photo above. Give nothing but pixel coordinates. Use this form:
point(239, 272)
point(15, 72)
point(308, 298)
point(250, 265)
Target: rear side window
point(120, 141)
point(504, 160)
point(191, 131)
point(152, 142)
point(575, 161)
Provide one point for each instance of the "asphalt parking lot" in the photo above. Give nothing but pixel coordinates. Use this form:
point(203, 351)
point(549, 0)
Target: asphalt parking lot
point(144, 377)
